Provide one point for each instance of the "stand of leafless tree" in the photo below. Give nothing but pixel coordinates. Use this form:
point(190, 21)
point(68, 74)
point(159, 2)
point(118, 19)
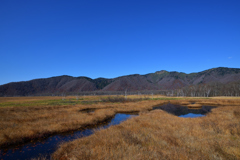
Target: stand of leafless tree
point(208, 90)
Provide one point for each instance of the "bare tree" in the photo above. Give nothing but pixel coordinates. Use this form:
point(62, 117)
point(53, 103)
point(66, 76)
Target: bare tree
point(208, 90)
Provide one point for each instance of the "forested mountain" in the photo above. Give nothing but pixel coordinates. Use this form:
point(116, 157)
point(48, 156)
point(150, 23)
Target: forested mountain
point(160, 80)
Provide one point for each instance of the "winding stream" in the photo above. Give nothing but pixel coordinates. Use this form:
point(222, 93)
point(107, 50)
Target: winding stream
point(45, 147)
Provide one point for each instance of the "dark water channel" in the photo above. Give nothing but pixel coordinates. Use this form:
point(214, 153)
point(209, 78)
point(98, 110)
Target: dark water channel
point(45, 147)
point(183, 111)
point(88, 110)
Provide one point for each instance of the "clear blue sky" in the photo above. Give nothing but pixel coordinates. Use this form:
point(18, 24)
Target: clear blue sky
point(111, 38)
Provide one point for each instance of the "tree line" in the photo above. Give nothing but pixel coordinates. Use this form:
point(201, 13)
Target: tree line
point(207, 90)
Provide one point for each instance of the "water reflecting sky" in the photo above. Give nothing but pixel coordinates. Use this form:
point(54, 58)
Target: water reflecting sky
point(47, 146)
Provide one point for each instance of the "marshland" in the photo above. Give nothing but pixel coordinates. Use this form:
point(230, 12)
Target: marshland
point(146, 131)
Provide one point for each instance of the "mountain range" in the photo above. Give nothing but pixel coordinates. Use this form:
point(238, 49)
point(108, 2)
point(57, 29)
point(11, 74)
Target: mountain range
point(160, 80)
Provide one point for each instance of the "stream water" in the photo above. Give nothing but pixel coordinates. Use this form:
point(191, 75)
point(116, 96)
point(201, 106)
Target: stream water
point(45, 147)
point(183, 111)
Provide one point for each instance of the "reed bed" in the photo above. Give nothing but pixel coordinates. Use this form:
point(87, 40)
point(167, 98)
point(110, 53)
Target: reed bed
point(194, 105)
point(152, 135)
point(159, 135)
point(215, 101)
point(23, 124)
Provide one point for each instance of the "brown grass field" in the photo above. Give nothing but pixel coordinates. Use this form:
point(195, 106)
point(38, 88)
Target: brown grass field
point(19, 124)
point(152, 135)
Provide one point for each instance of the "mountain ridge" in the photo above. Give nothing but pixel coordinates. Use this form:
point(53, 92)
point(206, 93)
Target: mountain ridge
point(159, 80)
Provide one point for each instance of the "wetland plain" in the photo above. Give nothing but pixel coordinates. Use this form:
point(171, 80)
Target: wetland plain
point(154, 134)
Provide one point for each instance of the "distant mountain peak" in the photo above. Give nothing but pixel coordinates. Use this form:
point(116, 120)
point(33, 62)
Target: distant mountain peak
point(160, 80)
point(161, 72)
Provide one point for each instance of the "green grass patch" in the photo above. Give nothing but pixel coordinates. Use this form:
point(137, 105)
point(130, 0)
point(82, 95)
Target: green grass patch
point(41, 103)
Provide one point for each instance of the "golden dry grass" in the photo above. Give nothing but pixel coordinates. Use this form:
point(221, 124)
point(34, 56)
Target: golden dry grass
point(215, 101)
point(196, 105)
point(159, 135)
point(152, 135)
point(21, 124)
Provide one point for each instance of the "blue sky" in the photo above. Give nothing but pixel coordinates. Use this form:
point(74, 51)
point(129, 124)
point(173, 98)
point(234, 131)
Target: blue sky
point(111, 38)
